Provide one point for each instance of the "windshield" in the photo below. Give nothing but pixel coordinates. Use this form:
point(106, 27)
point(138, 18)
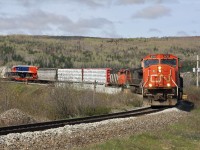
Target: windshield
point(150, 62)
point(171, 62)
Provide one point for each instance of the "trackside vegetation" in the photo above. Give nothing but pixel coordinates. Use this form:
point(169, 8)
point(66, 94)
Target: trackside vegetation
point(183, 135)
point(53, 103)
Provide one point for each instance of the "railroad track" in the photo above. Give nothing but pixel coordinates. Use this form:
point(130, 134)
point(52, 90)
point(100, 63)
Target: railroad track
point(60, 123)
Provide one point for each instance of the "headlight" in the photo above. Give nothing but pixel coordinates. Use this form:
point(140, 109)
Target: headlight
point(168, 84)
point(159, 68)
point(150, 85)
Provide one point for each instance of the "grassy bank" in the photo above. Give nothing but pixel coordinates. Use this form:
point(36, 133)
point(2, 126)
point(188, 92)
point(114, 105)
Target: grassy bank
point(183, 135)
point(56, 103)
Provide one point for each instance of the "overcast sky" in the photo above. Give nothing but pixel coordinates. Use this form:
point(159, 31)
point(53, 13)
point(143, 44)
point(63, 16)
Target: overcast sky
point(101, 18)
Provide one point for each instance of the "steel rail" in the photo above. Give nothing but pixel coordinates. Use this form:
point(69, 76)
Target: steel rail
point(60, 123)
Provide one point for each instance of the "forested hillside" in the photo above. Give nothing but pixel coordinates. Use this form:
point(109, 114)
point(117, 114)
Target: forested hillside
point(77, 52)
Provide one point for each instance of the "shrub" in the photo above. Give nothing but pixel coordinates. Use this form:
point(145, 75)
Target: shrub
point(193, 95)
point(68, 102)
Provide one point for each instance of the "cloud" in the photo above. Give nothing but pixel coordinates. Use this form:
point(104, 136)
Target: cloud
point(132, 2)
point(154, 30)
point(92, 26)
point(90, 3)
point(24, 3)
point(194, 32)
point(32, 21)
point(129, 2)
point(87, 25)
point(166, 1)
point(94, 23)
point(181, 33)
point(93, 3)
point(40, 22)
point(27, 3)
point(153, 12)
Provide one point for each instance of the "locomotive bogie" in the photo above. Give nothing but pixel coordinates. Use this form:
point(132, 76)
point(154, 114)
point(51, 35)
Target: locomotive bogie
point(161, 96)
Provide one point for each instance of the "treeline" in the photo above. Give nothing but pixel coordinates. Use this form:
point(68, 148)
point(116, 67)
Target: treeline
point(77, 52)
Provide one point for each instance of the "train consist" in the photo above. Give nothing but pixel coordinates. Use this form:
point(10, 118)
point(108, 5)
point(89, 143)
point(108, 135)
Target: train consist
point(85, 75)
point(158, 79)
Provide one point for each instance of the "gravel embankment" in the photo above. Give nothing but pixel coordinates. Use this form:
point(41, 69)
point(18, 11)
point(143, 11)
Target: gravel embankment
point(69, 137)
point(15, 117)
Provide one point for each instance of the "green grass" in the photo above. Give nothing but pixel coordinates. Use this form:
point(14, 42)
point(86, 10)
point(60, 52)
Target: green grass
point(89, 111)
point(184, 135)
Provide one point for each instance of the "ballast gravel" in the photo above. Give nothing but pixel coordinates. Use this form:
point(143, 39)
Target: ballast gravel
point(73, 136)
point(15, 117)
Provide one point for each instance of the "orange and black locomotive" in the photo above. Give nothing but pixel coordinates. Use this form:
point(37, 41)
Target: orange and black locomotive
point(162, 83)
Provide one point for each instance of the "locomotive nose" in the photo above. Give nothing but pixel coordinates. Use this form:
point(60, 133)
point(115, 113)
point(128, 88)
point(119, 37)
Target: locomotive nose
point(160, 76)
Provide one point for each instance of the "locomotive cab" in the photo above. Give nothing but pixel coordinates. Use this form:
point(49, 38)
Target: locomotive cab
point(162, 84)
